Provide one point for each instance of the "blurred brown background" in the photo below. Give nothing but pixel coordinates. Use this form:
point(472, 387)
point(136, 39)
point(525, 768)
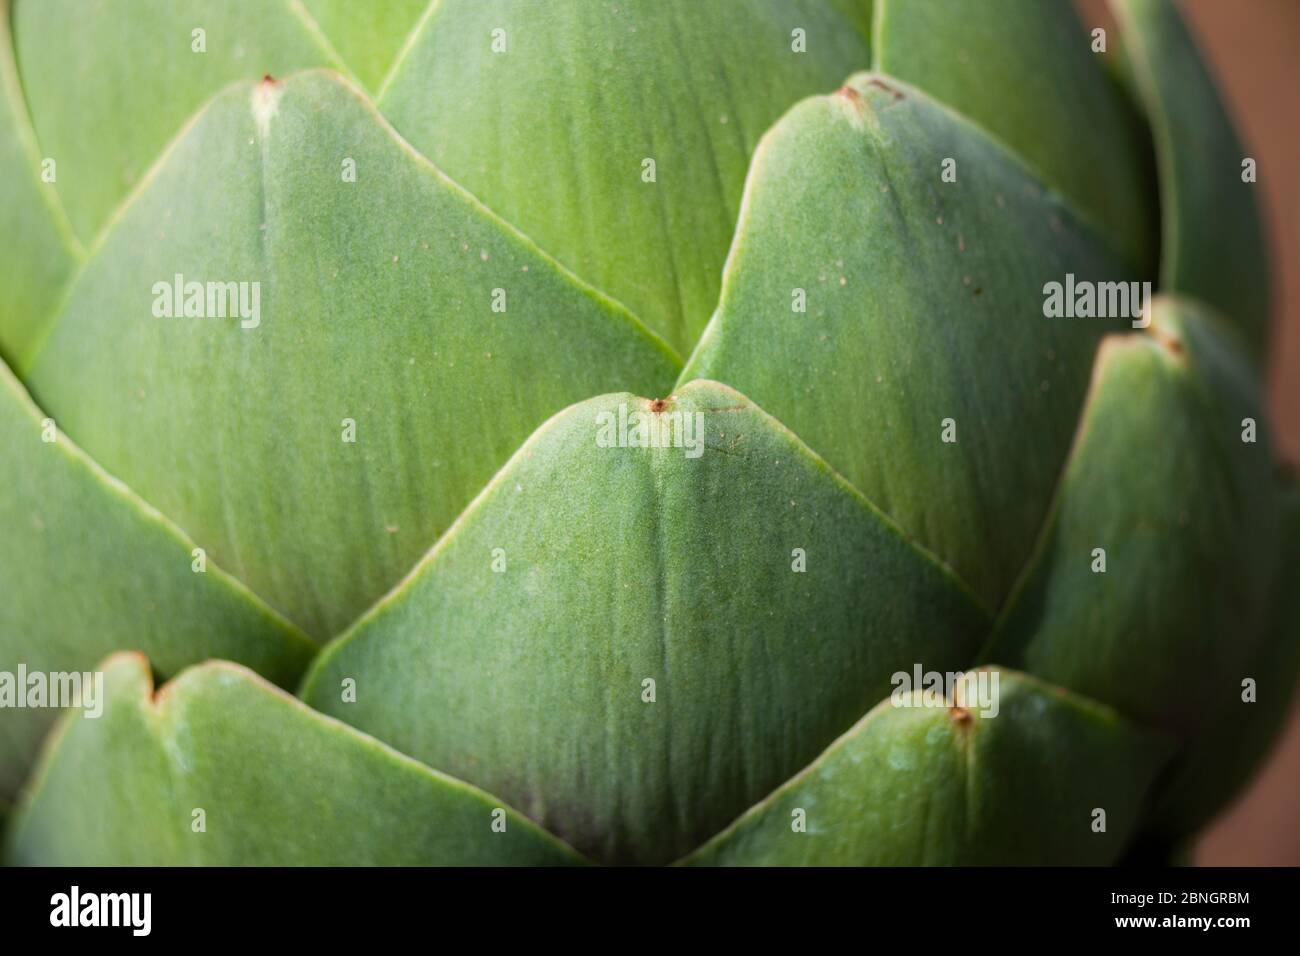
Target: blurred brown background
point(1253, 48)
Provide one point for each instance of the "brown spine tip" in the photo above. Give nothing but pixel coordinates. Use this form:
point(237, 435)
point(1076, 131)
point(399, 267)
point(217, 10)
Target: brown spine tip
point(658, 405)
point(1169, 342)
point(853, 99)
point(959, 716)
point(268, 79)
point(880, 84)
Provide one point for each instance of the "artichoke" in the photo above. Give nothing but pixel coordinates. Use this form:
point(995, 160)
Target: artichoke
point(637, 431)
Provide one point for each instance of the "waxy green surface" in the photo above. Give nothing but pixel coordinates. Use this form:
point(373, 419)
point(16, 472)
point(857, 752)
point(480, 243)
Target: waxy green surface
point(90, 568)
point(505, 585)
point(915, 292)
point(618, 565)
point(944, 786)
point(548, 111)
point(376, 307)
point(218, 768)
point(1026, 72)
point(1212, 244)
point(1147, 635)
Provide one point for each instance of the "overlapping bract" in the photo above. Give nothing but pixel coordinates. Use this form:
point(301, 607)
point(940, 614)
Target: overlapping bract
point(652, 655)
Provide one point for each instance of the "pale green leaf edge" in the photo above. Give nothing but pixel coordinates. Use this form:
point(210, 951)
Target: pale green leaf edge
point(318, 36)
point(31, 791)
point(1149, 99)
point(1086, 706)
point(404, 51)
point(26, 133)
point(743, 235)
point(796, 444)
point(147, 513)
point(1042, 542)
point(83, 251)
point(1091, 229)
point(608, 306)
point(1084, 217)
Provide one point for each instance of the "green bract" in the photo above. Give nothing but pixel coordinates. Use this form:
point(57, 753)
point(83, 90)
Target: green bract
point(602, 412)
